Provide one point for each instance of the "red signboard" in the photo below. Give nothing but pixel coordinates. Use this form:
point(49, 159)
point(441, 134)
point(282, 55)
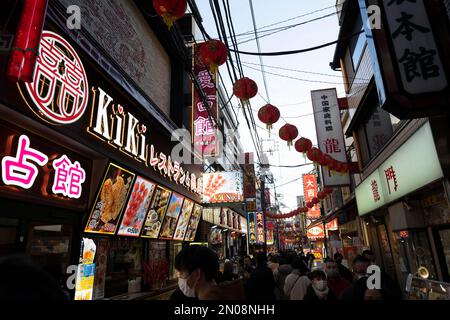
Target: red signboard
point(332, 225)
point(204, 133)
point(310, 191)
point(315, 233)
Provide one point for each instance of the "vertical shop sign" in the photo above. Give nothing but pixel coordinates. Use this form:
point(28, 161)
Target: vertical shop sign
point(260, 230)
point(204, 132)
point(310, 191)
point(252, 227)
point(330, 137)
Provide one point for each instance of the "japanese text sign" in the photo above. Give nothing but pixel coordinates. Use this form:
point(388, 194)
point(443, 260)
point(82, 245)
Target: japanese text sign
point(398, 175)
point(204, 133)
point(330, 137)
point(260, 228)
point(223, 187)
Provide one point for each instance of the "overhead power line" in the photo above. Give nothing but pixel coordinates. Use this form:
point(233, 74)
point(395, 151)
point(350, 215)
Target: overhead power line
point(281, 53)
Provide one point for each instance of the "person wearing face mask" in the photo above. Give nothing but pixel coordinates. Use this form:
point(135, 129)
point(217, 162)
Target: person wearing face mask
point(318, 289)
point(359, 266)
point(297, 281)
point(343, 271)
point(335, 282)
point(197, 267)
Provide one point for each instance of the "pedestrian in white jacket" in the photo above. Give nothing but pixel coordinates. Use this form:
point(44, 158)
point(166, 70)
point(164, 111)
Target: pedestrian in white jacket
point(297, 281)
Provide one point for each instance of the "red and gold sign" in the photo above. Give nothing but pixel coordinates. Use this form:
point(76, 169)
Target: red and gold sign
point(310, 192)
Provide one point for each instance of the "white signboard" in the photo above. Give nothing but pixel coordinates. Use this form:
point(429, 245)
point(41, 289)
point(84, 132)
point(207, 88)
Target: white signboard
point(415, 47)
point(330, 137)
point(414, 165)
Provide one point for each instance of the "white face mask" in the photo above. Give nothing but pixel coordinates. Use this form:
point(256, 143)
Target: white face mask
point(187, 291)
point(320, 285)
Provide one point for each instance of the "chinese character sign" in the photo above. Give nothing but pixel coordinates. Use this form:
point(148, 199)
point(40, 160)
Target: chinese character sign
point(251, 227)
point(260, 230)
point(415, 48)
point(310, 191)
point(204, 133)
point(330, 136)
point(23, 168)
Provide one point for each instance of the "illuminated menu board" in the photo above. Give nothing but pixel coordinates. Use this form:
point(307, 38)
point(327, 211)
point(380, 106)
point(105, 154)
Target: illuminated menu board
point(111, 198)
point(137, 208)
point(183, 220)
point(156, 213)
point(171, 218)
point(193, 223)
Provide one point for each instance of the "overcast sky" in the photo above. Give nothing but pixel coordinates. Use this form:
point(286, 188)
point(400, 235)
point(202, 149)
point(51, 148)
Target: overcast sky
point(292, 96)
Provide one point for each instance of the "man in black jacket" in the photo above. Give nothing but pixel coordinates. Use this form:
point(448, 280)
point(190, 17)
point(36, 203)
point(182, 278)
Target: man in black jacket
point(261, 284)
point(343, 271)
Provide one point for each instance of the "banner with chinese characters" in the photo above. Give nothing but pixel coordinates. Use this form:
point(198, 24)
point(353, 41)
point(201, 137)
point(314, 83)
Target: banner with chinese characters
point(270, 241)
point(407, 42)
point(251, 227)
point(330, 137)
point(267, 196)
point(249, 176)
point(310, 191)
point(223, 187)
point(260, 228)
point(204, 133)
point(36, 169)
point(399, 175)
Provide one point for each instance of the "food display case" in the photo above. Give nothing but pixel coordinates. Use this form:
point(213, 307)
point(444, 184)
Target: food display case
point(193, 223)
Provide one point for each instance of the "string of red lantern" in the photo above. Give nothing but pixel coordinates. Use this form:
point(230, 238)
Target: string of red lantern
point(170, 10)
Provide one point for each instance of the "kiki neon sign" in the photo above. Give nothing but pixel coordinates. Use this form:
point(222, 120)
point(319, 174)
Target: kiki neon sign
point(22, 170)
point(121, 129)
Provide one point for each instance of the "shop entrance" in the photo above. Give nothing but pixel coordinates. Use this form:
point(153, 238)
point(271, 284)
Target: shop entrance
point(45, 234)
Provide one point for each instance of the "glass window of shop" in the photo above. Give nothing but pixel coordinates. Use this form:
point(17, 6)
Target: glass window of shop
point(377, 128)
point(415, 254)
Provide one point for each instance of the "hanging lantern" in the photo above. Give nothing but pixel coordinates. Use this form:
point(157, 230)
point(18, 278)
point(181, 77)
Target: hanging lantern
point(325, 160)
point(334, 165)
point(288, 133)
point(303, 145)
point(269, 115)
point(213, 53)
point(26, 43)
point(328, 190)
point(321, 195)
point(270, 225)
point(314, 154)
point(245, 89)
point(315, 200)
point(170, 10)
point(309, 204)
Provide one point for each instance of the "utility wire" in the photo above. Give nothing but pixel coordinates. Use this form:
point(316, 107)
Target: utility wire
point(281, 53)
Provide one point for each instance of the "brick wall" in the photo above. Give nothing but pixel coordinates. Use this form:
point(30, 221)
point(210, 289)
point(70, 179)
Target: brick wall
point(119, 27)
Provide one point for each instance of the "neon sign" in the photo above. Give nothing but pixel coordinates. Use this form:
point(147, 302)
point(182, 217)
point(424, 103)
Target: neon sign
point(121, 129)
point(59, 89)
point(22, 170)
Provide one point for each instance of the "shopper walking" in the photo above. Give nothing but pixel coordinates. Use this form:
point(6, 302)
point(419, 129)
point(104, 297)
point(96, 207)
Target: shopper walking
point(297, 281)
point(228, 272)
point(335, 282)
point(261, 284)
point(318, 289)
point(197, 266)
point(280, 274)
point(359, 267)
point(343, 271)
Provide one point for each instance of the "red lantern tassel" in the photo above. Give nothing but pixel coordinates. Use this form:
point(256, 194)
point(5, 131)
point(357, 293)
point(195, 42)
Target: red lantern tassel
point(26, 44)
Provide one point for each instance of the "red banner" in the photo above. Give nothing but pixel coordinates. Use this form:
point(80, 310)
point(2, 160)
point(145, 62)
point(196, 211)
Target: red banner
point(204, 135)
point(332, 225)
point(315, 233)
point(310, 191)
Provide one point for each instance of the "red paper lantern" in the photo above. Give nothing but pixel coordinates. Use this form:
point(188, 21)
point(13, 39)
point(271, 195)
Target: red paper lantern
point(26, 43)
point(314, 154)
point(321, 195)
point(288, 133)
point(315, 200)
point(334, 165)
point(309, 204)
point(170, 10)
point(270, 225)
point(269, 115)
point(213, 53)
point(245, 89)
point(325, 160)
point(303, 145)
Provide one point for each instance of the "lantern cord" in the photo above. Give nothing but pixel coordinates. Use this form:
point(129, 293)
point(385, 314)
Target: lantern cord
point(281, 53)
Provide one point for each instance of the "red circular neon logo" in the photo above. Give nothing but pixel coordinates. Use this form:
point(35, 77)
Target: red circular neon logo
point(59, 89)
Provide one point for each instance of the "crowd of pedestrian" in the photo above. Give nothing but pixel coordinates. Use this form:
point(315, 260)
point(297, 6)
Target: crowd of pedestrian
point(282, 276)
